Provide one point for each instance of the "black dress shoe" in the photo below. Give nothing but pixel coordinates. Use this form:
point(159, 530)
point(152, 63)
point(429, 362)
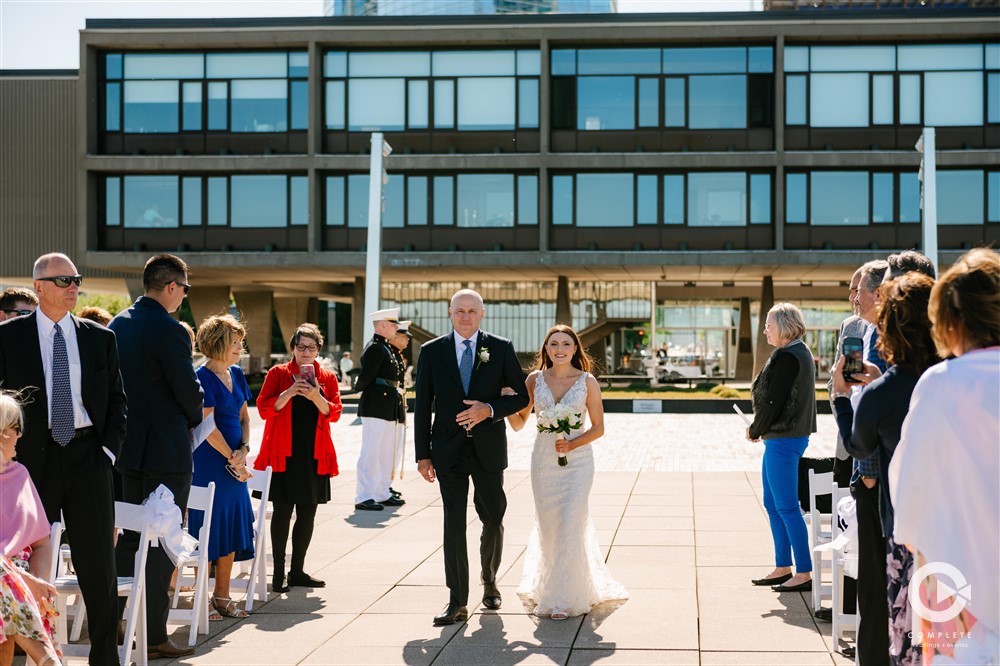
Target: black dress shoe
point(168, 650)
point(278, 584)
point(801, 587)
point(848, 652)
point(824, 614)
point(393, 501)
point(369, 505)
point(302, 579)
point(394, 492)
point(491, 596)
point(777, 580)
point(451, 614)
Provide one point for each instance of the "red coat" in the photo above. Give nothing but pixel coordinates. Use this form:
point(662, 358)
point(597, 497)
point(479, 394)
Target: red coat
point(276, 446)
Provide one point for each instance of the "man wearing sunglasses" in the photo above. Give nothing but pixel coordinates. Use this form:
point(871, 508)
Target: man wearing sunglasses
point(166, 400)
point(17, 302)
point(74, 426)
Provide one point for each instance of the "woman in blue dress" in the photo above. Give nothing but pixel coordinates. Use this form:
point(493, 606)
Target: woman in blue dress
point(222, 457)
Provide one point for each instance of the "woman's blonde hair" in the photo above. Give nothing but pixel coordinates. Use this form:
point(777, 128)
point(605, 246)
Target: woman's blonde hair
point(965, 303)
point(217, 333)
point(789, 320)
point(10, 411)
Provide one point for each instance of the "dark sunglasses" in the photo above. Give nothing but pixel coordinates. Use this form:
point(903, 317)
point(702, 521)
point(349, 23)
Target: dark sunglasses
point(19, 313)
point(185, 287)
point(64, 281)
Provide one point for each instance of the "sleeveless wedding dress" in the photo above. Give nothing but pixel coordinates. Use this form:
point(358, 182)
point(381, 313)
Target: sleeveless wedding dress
point(564, 571)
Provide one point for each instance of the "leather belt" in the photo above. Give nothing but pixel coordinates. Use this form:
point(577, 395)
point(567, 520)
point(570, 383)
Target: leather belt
point(81, 432)
point(387, 382)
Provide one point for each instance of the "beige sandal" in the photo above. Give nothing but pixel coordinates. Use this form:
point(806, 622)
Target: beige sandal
point(228, 609)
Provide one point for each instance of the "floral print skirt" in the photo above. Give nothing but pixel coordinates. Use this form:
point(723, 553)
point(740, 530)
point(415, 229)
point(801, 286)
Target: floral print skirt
point(899, 569)
point(19, 612)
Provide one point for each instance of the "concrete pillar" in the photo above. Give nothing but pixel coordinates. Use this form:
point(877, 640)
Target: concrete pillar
point(134, 286)
point(291, 312)
point(766, 302)
point(257, 308)
point(207, 301)
point(564, 308)
point(358, 320)
point(744, 344)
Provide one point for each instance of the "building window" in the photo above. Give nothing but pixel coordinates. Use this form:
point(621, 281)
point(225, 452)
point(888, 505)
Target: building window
point(162, 93)
point(940, 85)
point(171, 201)
point(465, 200)
point(396, 91)
point(696, 199)
point(703, 88)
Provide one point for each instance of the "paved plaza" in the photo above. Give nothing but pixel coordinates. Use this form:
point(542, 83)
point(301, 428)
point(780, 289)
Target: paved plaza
point(678, 509)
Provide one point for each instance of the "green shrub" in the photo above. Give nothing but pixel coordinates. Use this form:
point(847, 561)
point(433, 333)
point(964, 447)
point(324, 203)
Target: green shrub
point(707, 386)
point(113, 303)
point(727, 392)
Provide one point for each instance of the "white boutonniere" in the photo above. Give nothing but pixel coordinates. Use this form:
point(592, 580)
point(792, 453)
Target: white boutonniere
point(484, 356)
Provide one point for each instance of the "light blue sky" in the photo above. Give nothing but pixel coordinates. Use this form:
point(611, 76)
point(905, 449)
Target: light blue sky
point(42, 34)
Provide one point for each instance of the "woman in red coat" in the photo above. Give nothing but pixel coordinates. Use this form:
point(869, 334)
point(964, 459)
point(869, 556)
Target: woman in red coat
point(298, 402)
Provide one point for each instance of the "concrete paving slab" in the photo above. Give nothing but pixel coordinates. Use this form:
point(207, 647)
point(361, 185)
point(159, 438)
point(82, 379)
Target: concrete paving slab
point(614, 657)
point(338, 599)
point(765, 659)
point(380, 630)
point(270, 639)
point(657, 523)
point(649, 620)
point(654, 538)
point(501, 656)
point(335, 655)
point(495, 630)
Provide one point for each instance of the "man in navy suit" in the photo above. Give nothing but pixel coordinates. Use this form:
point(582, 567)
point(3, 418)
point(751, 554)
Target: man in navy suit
point(167, 403)
point(74, 420)
point(459, 432)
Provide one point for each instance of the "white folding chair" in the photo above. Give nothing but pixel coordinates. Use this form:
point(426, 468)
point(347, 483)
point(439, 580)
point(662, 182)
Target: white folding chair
point(842, 622)
point(202, 498)
point(819, 484)
point(256, 584)
point(127, 517)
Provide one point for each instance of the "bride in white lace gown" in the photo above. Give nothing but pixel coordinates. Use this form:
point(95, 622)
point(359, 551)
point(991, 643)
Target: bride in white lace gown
point(564, 571)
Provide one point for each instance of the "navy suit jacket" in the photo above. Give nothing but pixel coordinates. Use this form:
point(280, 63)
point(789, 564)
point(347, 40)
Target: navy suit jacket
point(101, 386)
point(165, 394)
point(440, 398)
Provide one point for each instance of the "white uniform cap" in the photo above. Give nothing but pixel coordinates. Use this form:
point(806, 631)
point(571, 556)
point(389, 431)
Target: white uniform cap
point(390, 314)
point(404, 327)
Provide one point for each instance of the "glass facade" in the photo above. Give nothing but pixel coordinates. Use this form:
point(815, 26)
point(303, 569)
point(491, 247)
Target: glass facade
point(428, 90)
point(937, 85)
point(464, 200)
point(702, 88)
point(164, 93)
point(695, 199)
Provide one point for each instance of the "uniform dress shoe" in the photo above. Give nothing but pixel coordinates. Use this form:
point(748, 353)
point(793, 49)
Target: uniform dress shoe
point(451, 614)
point(168, 650)
point(393, 501)
point(801, 587)
point(369, 505)
point(302, 579)
point(777, 580)
point(394, 492)
point(491, 596)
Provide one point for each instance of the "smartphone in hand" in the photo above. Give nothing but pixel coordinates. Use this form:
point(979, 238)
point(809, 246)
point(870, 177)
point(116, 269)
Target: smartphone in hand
point(853, 352)
point(308, 373)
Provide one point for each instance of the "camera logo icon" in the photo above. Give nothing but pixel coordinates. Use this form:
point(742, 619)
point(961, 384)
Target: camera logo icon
point(959, 592)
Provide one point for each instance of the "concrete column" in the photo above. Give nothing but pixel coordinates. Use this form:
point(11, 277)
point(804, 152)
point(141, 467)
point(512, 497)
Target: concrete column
point(207, 301)
point(291, 312)
point(134, 286)
point(744, 344)
point(257, 308)
point(564, 309)
point(358, 320)
point(766, 302)
point(778, 205)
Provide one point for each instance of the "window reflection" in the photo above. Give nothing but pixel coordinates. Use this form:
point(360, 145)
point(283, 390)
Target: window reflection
point(259, 201)
point(151, 106)
point(960, 197)
point(485, 200)
point(717, 199)
point(150, 202)
point(604, 200)
point(717, 102)
point(839, 198)
point(606, 103)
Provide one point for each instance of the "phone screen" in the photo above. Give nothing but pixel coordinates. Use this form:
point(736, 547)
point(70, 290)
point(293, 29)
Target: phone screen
point(308, 373)
point(853, 353)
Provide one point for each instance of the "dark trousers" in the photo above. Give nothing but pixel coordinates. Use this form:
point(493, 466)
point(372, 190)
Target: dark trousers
point(491, 504)
point(281, 519)
point(76, 482)
point(873, 634)
point(136, 487)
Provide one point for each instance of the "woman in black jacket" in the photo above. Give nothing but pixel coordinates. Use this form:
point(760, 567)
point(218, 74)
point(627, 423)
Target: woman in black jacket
point(904, 340)
point(784, 405)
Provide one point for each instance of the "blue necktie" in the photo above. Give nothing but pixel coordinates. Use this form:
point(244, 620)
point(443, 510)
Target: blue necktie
point(465, 367)
point(62, 396)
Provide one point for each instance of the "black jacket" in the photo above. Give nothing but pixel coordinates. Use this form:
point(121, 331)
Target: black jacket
point(440, 398)
point(380, 400)
point(165, 395)
point(784, 394)
point(103, 396)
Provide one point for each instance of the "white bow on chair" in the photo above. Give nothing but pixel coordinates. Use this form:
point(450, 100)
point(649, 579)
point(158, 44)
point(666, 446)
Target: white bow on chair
point(165, 521)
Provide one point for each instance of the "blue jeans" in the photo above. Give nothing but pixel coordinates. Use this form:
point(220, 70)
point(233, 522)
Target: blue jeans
point(780, 473)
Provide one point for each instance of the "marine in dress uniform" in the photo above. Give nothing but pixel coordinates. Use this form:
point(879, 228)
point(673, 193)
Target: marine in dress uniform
point(399, 343)
point(381, 410)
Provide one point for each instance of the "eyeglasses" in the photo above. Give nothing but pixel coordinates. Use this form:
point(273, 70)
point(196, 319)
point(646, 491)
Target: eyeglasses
point(185, 287)
point(306, 348)
point(19, 313)
point(63, 281)
point(16, 427)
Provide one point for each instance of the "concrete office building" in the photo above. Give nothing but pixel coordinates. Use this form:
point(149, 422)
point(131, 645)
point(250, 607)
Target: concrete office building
point(574, 168)
point(464, 7)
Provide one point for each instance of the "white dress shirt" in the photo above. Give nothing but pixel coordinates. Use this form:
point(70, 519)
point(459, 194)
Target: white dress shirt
point(46, 337)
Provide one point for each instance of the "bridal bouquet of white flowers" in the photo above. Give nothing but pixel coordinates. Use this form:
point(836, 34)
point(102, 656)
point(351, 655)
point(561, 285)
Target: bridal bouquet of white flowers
point(559, 419)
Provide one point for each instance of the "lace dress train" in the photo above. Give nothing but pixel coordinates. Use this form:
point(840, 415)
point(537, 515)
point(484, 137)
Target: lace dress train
point(564, 571)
